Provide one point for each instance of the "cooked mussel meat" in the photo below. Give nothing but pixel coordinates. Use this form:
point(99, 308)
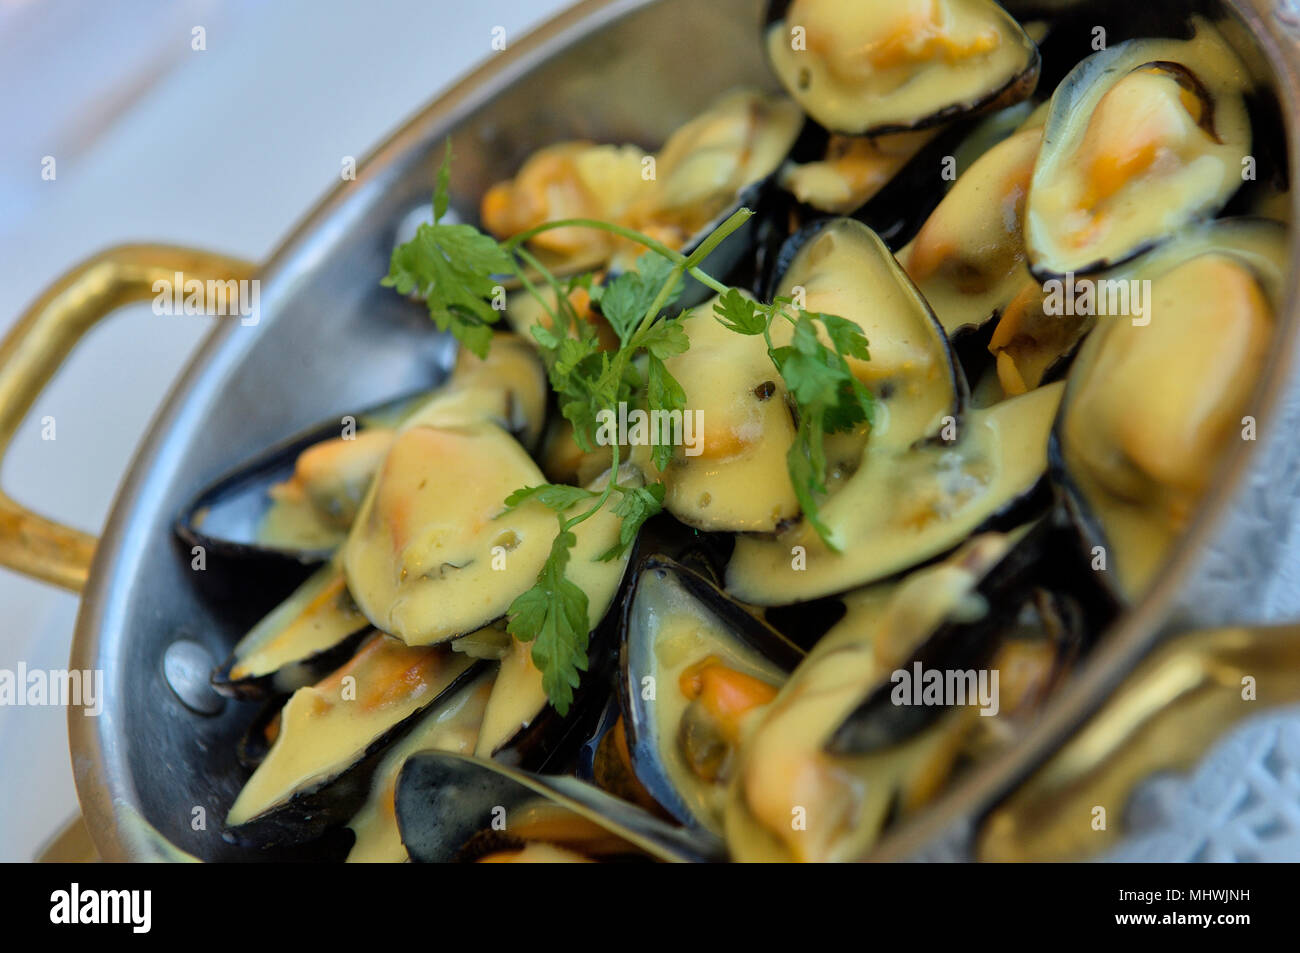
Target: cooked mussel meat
point(872, 68)
point(695, 671)
point(1154, 400)
point(332, 736)
point(1141, 139)
point(307, 636)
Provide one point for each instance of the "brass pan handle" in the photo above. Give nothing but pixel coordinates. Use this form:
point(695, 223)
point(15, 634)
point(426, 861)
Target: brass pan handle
point(43, 337)
point(1189, 691)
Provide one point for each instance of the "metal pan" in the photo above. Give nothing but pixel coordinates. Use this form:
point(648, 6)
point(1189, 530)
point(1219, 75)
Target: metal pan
point(330, 338)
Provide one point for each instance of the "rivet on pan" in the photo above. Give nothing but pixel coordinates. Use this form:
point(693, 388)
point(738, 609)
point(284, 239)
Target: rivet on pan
point(187, 667)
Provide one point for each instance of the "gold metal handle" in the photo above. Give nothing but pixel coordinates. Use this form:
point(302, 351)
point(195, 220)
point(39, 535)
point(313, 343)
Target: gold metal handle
point(1173, 706)
point(30, 543)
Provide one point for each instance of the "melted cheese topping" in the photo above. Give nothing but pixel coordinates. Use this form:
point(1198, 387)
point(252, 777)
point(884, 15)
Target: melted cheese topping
point(892, 65)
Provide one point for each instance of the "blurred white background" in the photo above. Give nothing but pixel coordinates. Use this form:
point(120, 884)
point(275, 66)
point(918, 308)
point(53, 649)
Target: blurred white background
point(224, 148)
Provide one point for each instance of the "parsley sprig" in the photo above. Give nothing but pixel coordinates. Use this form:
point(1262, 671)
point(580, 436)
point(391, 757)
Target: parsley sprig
point(459, 270)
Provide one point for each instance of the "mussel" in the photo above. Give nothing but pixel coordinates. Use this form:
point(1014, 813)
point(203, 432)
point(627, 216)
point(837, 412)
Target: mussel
point(1141, 139)
point(874, 68)
point(730, 471)
point(840, 266)
point(435, 553)
point(969, 257)
point(298, 500)
point(332, 736)
point(929, 472)
point(709, 167)
point(306, 637)
point(447, 803)
point(853, 739)
point(905, 506)
point(1154, 400)
point(696, 668)
point(451, 726)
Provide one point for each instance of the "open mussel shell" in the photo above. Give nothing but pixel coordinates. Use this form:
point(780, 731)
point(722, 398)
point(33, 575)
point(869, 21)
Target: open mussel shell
point(306, 637)
point(435, 554)
point(332, 736)
point(816, 50)
point(731, 473)
point(968, 258)
point(721, 160)
point(1099, 197)
point(445, 800)
point(521, 728)
point(964, 637)
point(297, 501)
point(1157, 398)
point(989, 476)
point(229, 517)
point(694, 665)
point(840, 266)
point(931, 472)
point(452, 725)
point(857, 735)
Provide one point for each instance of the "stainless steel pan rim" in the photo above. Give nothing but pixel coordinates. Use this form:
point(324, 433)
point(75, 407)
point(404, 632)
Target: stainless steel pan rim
point(1198, 587)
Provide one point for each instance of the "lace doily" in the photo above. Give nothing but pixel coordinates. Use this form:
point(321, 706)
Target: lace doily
point(1242, 802)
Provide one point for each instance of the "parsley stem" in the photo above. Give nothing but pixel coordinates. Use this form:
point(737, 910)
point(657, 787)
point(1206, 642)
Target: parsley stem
point(561, 299)
point(609, 489)
point(537, 295)
point(717, 236)
point(515, 241)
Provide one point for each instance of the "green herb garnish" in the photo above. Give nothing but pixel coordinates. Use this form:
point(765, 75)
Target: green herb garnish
point(458, 271)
